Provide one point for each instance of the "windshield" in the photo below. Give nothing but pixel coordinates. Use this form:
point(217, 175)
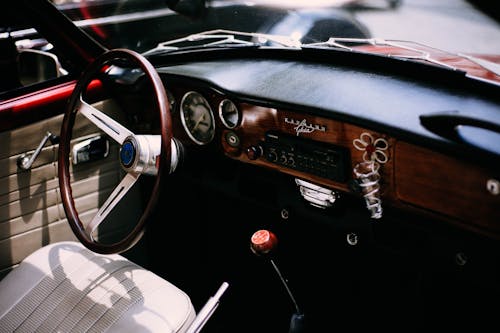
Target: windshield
point(451, 25)
point(442, 33)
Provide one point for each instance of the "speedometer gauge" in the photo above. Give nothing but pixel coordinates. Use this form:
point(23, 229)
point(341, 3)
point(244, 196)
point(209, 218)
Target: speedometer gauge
point(197, 118)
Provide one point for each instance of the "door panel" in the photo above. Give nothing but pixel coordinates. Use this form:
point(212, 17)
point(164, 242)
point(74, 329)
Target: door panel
point(31, 212)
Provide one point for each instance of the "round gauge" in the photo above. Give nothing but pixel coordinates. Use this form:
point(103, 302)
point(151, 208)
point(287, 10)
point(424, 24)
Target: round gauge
point(229, 114)
point(197, 118)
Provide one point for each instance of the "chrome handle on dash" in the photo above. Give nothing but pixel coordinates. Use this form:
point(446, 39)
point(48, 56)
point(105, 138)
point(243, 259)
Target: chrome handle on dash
point(368, 177)
point(26, 160)
point(316, 195)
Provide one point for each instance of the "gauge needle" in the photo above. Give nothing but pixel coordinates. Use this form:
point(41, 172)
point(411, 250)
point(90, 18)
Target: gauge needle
point(199, 121)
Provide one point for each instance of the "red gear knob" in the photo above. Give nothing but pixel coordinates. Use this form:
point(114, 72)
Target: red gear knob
point(263, 242)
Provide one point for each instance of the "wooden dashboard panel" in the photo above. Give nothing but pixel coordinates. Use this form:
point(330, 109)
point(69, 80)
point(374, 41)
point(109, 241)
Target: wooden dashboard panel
point(446, 185)
point(257, 121)
point(412, 177)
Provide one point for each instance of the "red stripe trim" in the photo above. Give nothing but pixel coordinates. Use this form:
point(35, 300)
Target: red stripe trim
point(39, 105)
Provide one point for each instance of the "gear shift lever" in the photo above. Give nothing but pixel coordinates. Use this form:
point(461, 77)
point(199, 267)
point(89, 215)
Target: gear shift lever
point(263, 243)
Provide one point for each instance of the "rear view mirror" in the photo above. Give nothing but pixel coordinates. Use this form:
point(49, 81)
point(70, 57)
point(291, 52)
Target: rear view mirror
point(38, 66)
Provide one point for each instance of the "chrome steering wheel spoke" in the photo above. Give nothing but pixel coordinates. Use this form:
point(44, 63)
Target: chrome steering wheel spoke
point(114, 198)
point(107, 124)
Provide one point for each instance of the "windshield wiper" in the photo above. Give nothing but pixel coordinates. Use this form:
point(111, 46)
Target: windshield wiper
point(229, 38)
point(486, 64)
point(224, 38)
point(398, 49)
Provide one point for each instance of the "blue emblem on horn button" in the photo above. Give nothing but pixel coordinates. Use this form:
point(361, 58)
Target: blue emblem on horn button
point(127, 153)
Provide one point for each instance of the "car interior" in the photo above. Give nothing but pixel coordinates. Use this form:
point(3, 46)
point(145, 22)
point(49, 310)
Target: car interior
point(242, 182)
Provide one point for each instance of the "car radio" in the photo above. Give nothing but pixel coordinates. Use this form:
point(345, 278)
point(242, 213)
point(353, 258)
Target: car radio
point(318, 158)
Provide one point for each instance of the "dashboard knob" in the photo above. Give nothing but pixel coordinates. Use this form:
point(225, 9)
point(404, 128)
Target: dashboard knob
point(263, 242)
point(254, 152)
point(272, 155)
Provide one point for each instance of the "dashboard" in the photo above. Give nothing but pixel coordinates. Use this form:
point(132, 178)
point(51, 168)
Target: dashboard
point(336, 140)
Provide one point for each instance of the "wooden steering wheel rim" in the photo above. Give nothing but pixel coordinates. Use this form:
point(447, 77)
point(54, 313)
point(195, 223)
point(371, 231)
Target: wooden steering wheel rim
point(163, 107)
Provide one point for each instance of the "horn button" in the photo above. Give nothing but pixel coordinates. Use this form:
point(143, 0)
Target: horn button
point(128, 153)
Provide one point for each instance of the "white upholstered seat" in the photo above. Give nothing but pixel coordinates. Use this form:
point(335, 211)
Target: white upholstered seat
point(64, 287)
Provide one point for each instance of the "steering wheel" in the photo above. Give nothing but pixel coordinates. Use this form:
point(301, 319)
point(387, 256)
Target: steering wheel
point(139, 154)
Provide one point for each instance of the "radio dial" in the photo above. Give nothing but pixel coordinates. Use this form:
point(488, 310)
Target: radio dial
point(272, 156)
point(254, 152)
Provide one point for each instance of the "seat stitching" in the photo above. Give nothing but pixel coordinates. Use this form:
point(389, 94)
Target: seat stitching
point(26, 305)
point(57, 295)
point(71, 299)
point(74, 317)
point(86, 320)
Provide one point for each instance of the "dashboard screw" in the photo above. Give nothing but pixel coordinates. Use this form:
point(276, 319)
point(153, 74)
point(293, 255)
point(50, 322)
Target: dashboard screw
point(493, 186)
point(352, 239)
point(460, 259)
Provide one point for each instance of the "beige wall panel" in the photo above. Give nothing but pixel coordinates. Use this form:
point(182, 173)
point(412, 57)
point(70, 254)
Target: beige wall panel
point(25, 223)
point(18, 247)
point(28, 205)
point(31, 213)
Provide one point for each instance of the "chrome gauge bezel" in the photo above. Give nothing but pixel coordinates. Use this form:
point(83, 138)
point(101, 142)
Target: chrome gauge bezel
point(223, 113)
point(192, 135)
